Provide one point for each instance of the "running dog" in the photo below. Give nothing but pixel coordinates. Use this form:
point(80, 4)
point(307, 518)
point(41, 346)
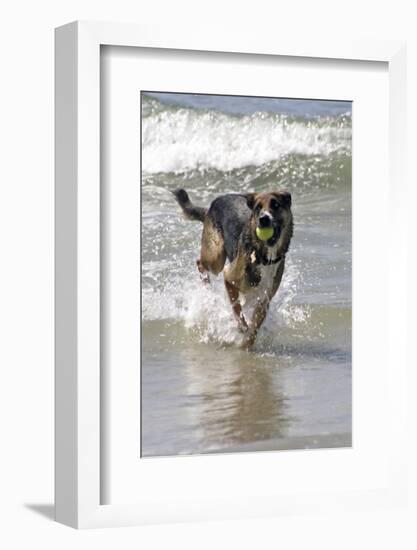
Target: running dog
point(255, 266)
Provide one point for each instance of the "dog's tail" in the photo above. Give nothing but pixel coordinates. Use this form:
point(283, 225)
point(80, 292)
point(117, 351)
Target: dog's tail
point(191, 212)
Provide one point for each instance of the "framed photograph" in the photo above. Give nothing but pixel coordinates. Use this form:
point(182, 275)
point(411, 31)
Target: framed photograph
point(229, 332)
point(244, 158)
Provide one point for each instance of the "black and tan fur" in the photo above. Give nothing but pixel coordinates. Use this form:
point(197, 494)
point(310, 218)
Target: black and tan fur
point(254, 267)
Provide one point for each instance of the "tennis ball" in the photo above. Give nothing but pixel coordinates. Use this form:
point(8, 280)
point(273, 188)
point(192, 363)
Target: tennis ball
point(264, 233)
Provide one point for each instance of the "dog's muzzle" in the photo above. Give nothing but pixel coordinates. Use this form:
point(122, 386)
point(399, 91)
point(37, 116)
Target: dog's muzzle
point(265, 221)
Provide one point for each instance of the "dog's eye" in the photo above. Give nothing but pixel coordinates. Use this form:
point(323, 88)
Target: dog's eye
point(274, 204)
point(258, 208)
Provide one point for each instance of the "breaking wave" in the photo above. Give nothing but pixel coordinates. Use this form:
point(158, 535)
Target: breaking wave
point(179, 139)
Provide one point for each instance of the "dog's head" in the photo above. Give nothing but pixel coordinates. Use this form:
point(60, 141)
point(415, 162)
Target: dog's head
point(272, 210)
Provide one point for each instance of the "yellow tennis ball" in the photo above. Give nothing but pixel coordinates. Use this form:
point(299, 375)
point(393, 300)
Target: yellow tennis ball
point(264, 233)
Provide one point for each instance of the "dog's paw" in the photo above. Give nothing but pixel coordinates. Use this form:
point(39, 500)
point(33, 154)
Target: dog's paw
point(248, 342)
point(242, 327)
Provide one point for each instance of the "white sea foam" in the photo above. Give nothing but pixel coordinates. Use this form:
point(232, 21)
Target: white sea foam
point(181, 139)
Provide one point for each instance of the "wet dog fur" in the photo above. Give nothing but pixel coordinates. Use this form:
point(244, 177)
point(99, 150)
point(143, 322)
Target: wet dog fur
point(254, 267)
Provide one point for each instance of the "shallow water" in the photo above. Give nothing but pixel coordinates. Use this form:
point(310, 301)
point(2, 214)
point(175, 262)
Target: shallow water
point(200, 393)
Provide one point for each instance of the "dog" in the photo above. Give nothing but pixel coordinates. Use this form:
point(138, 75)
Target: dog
point(255, 267)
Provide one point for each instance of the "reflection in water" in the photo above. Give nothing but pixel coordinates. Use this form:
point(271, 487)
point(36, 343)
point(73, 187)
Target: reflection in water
point(233, 402)
point(199, 398)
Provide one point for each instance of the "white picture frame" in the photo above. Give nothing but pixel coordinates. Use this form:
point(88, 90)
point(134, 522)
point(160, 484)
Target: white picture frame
point(78, 411)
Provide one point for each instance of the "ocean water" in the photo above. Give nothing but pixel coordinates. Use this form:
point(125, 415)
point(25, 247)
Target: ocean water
point(200, 392)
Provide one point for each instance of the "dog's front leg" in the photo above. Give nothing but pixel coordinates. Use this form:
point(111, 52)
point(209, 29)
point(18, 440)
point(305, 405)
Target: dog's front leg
point(259, 314)
point(233, 294)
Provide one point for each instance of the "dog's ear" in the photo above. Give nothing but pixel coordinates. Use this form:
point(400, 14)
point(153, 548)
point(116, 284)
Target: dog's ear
point(250, 199)
point(284, 198)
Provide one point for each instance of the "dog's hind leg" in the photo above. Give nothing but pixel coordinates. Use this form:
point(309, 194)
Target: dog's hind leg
point(204, 274)
point(213, 254)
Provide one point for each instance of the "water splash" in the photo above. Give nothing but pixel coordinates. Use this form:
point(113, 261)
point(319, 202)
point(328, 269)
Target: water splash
point(205, 310)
